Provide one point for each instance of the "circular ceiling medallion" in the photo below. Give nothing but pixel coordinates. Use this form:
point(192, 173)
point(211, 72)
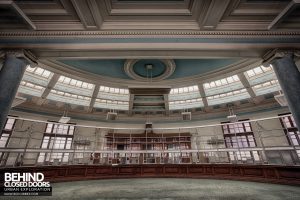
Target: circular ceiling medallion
point(146, 69)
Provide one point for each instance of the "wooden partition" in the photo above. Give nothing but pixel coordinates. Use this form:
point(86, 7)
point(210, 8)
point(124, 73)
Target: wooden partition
point(260, 173)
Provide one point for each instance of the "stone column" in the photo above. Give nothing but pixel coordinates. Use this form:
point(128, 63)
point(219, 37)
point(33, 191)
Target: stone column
point(10, 77)
point(288, 76)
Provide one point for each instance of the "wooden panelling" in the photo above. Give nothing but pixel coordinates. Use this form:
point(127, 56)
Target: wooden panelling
point(269, 173)
point(196, 170)
point(149, 170)
point(127, 170)
point(77, 172)
point(253, 172)
point(106, 171)
point(222, 170)
point(260, 173)
point(172, 170)
point(289, 173)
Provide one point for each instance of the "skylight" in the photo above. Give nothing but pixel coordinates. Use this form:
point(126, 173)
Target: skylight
point(228, 97)
point(258, 70)
point(183, 104)
point(186, 101)
point(221, 82)
point(31, 89)
point(66, 94)
point(113, 90)
point(227, 94)
point(189, 89)
point(114, 94)
point(37, 76)
point(260, 75)
point(266, 84)
point(223, 85)
point(75, 83)
point(266, 87)
point(39, 71)
point(30, 85)
point(111, 104)
point(184, 93)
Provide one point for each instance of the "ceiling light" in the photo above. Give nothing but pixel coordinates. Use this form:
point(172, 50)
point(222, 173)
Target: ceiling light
point(64, 120)
point(280, 98)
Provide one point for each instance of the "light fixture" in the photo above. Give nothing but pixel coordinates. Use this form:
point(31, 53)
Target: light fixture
point(280, 98)
point(149, 67)
point(231, 117)
point(17, 101)
point(64, 119)
point(186, 115)
point(111, 115)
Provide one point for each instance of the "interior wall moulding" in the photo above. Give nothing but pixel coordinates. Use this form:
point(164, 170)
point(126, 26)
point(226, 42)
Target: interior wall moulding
point(145, 33)
point(164, 67)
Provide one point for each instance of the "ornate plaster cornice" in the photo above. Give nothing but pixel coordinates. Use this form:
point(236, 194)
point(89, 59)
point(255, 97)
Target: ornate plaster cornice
point(169, 64)
point(155, 34)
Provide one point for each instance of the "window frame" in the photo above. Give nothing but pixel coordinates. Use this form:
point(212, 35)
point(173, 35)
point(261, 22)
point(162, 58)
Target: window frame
point(9, 133)
point(288, 130)
point(236, 135)
point(51, 137)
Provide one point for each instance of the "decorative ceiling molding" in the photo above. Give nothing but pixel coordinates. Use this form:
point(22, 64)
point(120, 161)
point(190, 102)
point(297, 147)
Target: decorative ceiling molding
point(147, 33)
point(60, 68)
point(84, 15)
point(168, 63)
point(149, 54)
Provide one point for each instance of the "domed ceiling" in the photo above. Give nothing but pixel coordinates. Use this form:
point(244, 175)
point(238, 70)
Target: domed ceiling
point(182, 67)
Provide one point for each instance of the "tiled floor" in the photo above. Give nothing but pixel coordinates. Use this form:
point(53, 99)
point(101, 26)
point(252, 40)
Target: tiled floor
point(168, 189)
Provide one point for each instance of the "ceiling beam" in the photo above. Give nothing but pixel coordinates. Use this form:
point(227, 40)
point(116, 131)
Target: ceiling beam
point(214, 14)
point(18, 100)
point(94, 97)
point(50, 85)
point(157, 54)
point(249, 89)
point(19, 12)
point(284, 13)
point(85, 13)
point(168, 48)
point(166, 100)
point(96, 13)
point(203, 95)
point(69, 8)
point(131, 99)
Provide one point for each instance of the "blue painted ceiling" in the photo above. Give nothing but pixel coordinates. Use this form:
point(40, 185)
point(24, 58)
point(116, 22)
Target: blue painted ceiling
point(114, 67)
point(110, 68)
point(158, 68)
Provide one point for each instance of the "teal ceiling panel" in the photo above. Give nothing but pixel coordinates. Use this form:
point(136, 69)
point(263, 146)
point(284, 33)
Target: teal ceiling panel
point(109, 67)
point(190, 67)
point(115, 67)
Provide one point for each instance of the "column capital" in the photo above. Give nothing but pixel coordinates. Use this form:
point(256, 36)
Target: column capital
point(28, 57)
point(279, 53)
